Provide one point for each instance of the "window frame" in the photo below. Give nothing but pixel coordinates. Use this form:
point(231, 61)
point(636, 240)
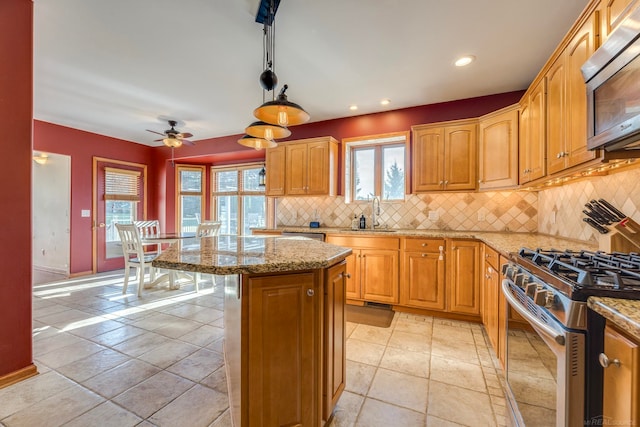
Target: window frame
point(239, 193)
point(180, 193)
point(377, 142)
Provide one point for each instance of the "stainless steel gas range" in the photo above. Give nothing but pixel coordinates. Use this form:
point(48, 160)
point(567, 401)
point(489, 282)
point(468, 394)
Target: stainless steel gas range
point(552, 368)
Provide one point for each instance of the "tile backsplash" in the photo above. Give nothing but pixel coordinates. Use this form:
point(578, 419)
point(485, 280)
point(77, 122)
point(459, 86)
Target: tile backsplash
point(490, 211)
point(555, 211)
point(560, 209)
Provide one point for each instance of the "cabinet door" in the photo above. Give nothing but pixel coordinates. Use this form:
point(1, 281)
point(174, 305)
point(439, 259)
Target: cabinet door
point(379, 275)
point(498, 156)
point(464, 277)
point(578, 52)
point(296, 182)
point(612, 13)
point(537, 133)
point(275, 161)
point(461, 146)
point(428, 164)
point(334, 366)
point(621, 382)
point(283, 375)
point(318, 168)
point(491, 305)
point(556, 110)
point(524, 143)
point(353, 288)
point(423, 283)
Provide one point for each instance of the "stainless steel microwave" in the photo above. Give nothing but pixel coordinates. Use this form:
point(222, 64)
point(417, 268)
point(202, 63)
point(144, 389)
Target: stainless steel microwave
point(612, 75)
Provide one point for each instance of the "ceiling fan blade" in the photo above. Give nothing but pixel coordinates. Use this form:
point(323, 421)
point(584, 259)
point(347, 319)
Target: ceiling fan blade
point(153, 131)
point(184, 135)
point(187, 142)
point(156, 140)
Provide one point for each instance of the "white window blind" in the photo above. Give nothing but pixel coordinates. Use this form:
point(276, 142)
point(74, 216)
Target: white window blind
point(122, 184)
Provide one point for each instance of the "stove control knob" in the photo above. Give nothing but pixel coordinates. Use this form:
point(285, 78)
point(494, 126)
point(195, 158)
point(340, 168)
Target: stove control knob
point(521, 280)
point(543, 298)
point(531, 289)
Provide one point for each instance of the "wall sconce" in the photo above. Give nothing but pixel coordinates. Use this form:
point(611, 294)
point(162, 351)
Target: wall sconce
point(262, 175)
point(41, 158)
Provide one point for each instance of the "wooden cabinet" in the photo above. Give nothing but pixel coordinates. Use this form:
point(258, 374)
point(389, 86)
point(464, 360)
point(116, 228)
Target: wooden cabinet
point(372, 267)
point(275, 167)
point(491, 296)
point(334, 338)
point(444, 156)
point(283, 382)
point(463, 264)
point(311, 167)
point(612, 13)
point(498, 153)
point(532, 141)
point(423, 274)
point(567, 102)
point(303, 167)
point(621, 381)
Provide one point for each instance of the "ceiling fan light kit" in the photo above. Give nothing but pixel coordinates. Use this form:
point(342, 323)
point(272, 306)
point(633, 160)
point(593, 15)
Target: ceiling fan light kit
point(278, 114)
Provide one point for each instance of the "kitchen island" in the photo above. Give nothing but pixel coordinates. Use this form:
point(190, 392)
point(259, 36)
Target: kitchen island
point(284, 323)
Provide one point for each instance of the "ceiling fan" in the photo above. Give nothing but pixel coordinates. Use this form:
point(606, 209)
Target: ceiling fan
point(172, 138)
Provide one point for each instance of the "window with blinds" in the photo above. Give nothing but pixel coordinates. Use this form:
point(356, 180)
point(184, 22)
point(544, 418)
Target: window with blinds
point(122, 184)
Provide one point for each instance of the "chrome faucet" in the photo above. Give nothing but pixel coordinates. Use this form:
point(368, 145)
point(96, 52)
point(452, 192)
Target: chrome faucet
point(374, 212)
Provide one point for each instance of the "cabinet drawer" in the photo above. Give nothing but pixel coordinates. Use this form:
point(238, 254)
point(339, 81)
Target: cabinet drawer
point(491, 257)
point(423, 245)
point(373, 242)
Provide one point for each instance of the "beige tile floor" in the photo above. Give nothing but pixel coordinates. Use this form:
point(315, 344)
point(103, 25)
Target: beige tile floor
point(105, 359)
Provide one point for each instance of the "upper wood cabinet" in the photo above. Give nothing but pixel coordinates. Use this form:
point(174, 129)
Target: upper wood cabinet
point(274, 164)
point(567, 102)
point(498, 153)
point(303, 167)
point(532, 148)
point(444, 156)
point(612, 12)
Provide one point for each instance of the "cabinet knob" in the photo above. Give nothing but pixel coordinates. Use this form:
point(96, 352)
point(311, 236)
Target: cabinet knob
point(310, 292)
point(424, 255)
point(605, 362)
point(424, 244)
point(446, 182)
point(347, 275)
point(441, 182)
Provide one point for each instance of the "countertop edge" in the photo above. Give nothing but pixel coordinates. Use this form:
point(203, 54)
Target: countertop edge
point(622, 312)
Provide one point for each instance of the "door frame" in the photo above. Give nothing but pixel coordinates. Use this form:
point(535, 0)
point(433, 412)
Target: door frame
point(94, 201)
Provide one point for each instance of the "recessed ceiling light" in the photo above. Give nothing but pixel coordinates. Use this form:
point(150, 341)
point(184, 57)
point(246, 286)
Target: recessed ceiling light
point(465, 60)
point(385, 102)
point(353, 107)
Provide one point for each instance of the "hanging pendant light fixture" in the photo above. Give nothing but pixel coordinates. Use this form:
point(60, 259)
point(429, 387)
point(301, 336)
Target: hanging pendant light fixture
point(275, 115)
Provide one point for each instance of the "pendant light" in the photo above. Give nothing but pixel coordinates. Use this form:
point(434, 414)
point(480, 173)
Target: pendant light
point(257, 143)
point(267, 131)
point(282, 111)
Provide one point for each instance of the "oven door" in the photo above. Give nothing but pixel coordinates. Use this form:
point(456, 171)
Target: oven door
point(545, 366)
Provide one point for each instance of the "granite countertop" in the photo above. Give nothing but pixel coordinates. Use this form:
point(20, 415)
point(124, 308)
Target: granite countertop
point(249, 254)
point(502, 242)
point(623, 313)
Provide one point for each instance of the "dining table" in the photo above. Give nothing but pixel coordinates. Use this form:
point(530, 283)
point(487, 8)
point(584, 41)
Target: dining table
point(172, 276)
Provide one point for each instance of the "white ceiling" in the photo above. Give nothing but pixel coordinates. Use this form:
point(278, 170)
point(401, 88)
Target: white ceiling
point(118, 67)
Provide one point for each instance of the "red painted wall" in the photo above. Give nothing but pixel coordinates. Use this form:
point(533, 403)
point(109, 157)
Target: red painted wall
point(82, 147)
point(16, 71)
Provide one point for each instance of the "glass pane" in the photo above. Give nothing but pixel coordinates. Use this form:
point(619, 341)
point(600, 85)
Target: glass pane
point(117, 212)
point(190, 215)
point(227, 181)
point(191, 181)
point(227, 214)
point(253, 213)
point(393, 172)
point(363, 174)
point(250, 180)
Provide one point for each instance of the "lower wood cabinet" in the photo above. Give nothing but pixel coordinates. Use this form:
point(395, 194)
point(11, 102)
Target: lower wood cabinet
point(423, 274)
point(372, 267)
point(285, 346)
point(491, 297)
point(621, 381)
point(463, 264)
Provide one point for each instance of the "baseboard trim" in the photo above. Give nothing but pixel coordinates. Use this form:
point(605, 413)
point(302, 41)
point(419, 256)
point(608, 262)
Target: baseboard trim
point(81, 273)
point(19, 375)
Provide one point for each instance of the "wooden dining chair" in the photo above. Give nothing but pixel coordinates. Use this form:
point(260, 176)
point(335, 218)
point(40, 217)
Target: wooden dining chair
point(205, 229)
point(134, 255)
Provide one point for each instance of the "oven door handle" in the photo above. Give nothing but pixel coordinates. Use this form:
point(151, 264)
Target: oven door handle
point(535, 322)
